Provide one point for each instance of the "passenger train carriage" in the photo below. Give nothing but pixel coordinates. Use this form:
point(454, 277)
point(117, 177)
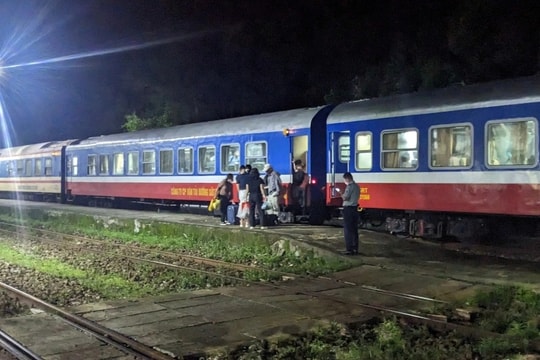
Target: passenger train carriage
point(184, 164)
point(34, 172)
point(448, 162)
point(442, 155)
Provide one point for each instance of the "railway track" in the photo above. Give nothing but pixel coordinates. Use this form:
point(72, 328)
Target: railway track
point(15, 348)
point(75, 241)
point(105, 335)
point(411, 316)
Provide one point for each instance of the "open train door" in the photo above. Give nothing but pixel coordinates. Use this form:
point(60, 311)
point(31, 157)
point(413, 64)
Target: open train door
point(339, 159)
point(317, 167)
point(298, 151)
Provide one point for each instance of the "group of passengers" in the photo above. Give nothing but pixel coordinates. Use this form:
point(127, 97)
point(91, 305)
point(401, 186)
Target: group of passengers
point(257, 195)
point(254, 191)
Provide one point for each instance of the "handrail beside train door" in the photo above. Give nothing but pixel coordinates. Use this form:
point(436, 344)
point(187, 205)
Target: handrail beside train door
point(332, 159)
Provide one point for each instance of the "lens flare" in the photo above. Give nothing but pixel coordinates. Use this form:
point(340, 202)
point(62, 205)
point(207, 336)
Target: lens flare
point(34, 47)
point(2, 72)
point(101, 52)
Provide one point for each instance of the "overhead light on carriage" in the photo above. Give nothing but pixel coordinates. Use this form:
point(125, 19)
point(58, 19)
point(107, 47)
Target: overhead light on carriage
point(286, 132)
point(313, 181)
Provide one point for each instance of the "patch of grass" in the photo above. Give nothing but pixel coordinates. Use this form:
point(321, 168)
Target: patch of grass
point(380, 339)
point(510, 310)
point(224, 244)
point(109, 286)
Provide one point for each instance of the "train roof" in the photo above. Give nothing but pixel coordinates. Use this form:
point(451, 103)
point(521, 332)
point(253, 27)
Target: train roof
point(269, 122)
point(457, 97)
point(34, 149)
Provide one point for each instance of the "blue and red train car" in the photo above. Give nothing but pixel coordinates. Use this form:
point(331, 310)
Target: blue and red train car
point(446, 162)
point(183, 164)
point(452, 161)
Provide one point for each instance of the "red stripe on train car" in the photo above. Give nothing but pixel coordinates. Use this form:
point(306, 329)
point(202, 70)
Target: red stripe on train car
point(167, 191)
point(511, 199)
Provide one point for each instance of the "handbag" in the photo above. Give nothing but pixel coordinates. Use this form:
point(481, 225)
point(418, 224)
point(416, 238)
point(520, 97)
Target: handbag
point(214, 204)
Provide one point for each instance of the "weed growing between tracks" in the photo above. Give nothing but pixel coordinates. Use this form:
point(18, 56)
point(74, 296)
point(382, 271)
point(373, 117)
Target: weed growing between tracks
point(509, 310)
point(109, 285)
point(513, 312)
point(231, 245)
point(108, 277)
point(378, 339)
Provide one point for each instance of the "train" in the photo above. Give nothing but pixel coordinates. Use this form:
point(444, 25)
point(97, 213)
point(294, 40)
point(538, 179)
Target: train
point(453, 162)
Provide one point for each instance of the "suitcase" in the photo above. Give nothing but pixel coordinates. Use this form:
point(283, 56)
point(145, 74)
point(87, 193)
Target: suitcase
point(232, 210)
point(270, 219)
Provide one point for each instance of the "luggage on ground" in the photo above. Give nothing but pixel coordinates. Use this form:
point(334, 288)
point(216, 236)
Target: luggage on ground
point(232, 210)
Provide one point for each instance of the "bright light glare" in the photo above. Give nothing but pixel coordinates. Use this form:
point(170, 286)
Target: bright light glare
point(94, 53)
point(21, 48)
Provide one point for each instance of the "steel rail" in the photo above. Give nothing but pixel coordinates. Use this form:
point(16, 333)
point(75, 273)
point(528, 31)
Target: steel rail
point(17, 349)
point(110, 336)
point(407, 316)
point(214, 262)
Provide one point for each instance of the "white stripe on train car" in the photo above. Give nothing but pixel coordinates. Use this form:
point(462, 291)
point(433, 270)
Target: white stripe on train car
point(451, 177)
point(210, 179)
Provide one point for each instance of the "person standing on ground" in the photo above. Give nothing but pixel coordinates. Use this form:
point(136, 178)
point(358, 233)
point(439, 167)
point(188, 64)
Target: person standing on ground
point(243, 206)
point(350, 198)
point(255, 189)
point(273, 187)
point(224, 193)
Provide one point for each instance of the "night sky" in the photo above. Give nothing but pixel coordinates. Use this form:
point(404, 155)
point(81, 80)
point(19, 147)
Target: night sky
point(75, 68)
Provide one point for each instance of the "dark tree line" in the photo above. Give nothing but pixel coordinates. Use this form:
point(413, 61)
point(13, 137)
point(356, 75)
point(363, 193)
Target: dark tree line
point(266, 56)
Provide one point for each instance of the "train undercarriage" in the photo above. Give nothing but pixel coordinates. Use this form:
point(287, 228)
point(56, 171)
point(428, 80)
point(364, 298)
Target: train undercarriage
point(450, 226)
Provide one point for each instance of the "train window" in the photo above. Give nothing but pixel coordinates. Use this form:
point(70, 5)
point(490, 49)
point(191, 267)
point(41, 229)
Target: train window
point(133, 163)
point(256, 155)
point(38, 163)
point(149, 162)
point(185, 160)
point(28, 167)
point(344, 148)
point(20, 167)
point(92, 165)
point(512, 143)
point(207, 159)
point(230, 158)
point(9, 169)
point(48, 166)
point(400, 149)
point(103, 164)
point(118, 164)
point(451, 146)
point(166, 161)
point(73, 165)
point(364, 151)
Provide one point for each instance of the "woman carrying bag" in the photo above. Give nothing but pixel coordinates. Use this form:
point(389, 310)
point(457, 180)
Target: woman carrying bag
point(224, 193)
point(255, 188)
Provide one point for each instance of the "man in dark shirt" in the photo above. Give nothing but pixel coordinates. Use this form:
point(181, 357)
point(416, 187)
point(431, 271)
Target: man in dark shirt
point(299, 186)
